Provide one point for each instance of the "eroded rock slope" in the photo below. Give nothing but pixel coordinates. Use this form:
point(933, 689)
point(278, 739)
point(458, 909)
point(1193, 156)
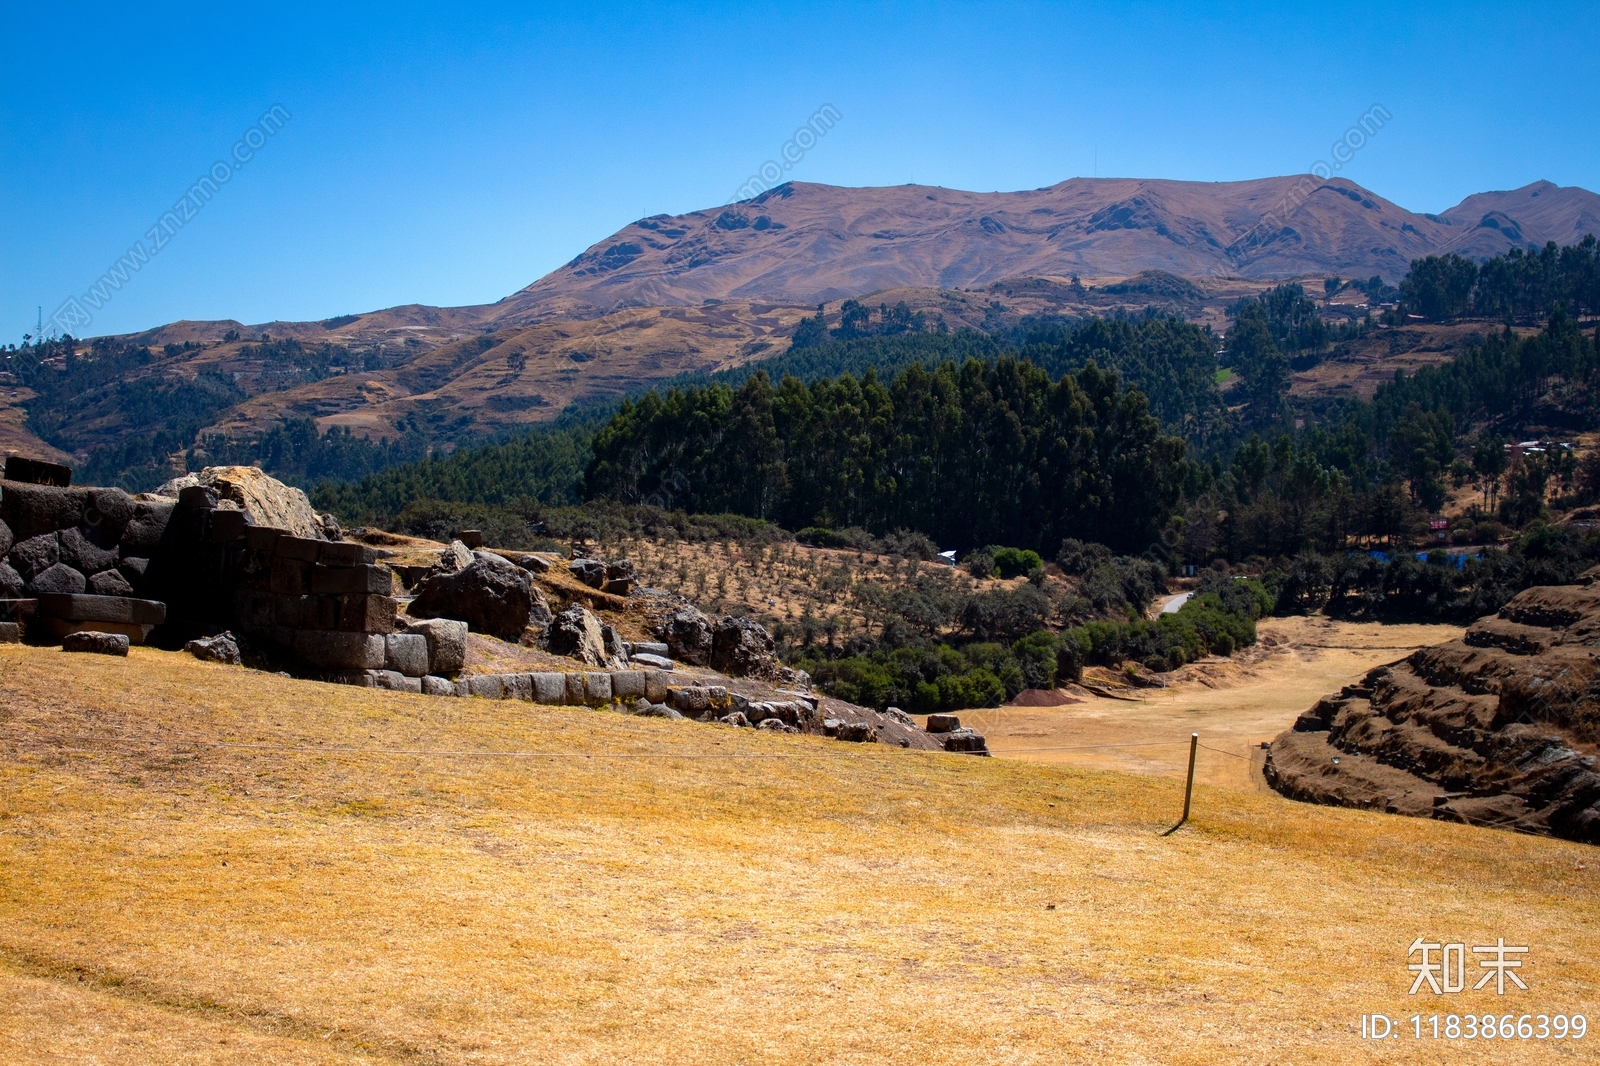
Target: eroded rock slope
point(1500, 728)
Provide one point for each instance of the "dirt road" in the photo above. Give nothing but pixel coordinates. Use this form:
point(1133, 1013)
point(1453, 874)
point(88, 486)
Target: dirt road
point(1234, 704)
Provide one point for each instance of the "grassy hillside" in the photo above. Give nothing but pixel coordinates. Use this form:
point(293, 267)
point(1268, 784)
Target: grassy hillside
point(245, 868)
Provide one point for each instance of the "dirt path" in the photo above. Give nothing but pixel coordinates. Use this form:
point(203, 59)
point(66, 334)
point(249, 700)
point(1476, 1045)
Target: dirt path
point(1233, 704)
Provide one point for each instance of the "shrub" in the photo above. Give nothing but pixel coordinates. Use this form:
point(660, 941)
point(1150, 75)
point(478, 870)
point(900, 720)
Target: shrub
point(1014, 562)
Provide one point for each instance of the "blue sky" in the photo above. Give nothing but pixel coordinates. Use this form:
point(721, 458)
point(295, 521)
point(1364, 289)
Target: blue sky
point(451, 156)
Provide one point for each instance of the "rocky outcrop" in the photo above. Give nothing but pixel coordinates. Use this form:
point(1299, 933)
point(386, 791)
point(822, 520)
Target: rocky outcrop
point(687, 634)
point(492, 595)
point(578, 633)
point(268, 501)
point(1500, 728)
point(742, 647)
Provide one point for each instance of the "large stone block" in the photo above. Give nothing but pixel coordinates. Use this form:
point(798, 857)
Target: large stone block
point(289, 576)
point(550, 688)
point(300, 549)
point(392, 680)
point(61, 628)
point(368, 580)
point(289, 610)
point(407, 653)
point(10, 633)
point(344, 553)
point(35, 555)
point(109, 583)
point(57, 579)
point(360, 613)
point(655, 686)
point(225, 526)
point(447, 643)
point(6, 540)
point(308, 612)
point(438, 686)
point(486, 686)
point(263, 539)
point(96, 643)
point(597, 687)
point(575, 690)
point(518, 686)
point(81, 550)
point(627, 684)
point(34, 509)
point(108, 513)
point(395, 681)
point(255, 611)
point(23, 470)
point(144, 530)
point(335, 650)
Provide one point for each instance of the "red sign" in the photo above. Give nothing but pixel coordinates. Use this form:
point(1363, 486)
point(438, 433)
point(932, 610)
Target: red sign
point(1439, 523)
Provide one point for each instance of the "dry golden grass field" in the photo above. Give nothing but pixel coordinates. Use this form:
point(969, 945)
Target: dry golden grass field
point(1234, 704)
point(200, 864)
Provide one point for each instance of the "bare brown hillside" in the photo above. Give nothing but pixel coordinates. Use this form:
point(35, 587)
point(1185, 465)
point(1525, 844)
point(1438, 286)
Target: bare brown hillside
point(809, 243)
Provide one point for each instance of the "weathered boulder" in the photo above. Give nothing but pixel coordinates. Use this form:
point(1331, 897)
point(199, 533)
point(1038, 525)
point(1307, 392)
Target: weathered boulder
point(96, 643)
point(736, 719)
point(218, 649)
point(943, 723)
point(591, 572)
point(742, 647)
point(57, 579)
point(965, 741)
point(534, 563)
point(576, 632)
point(12, 586)
point(492, 595)
point(35, 555)
point(645, 709)
point(109, 583)
point(857, 732)
point(6, 540)
point(85, 550)
point(268, 501)
point(687, 634)
point(447, 642)
point(456, 557)
point(616, 647)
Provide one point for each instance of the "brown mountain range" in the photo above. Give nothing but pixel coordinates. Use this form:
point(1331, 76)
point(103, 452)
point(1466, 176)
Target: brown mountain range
point(716, 288)
point(811, 243)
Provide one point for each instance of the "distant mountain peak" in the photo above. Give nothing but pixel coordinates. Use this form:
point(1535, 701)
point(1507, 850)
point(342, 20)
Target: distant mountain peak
point(801, 242)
